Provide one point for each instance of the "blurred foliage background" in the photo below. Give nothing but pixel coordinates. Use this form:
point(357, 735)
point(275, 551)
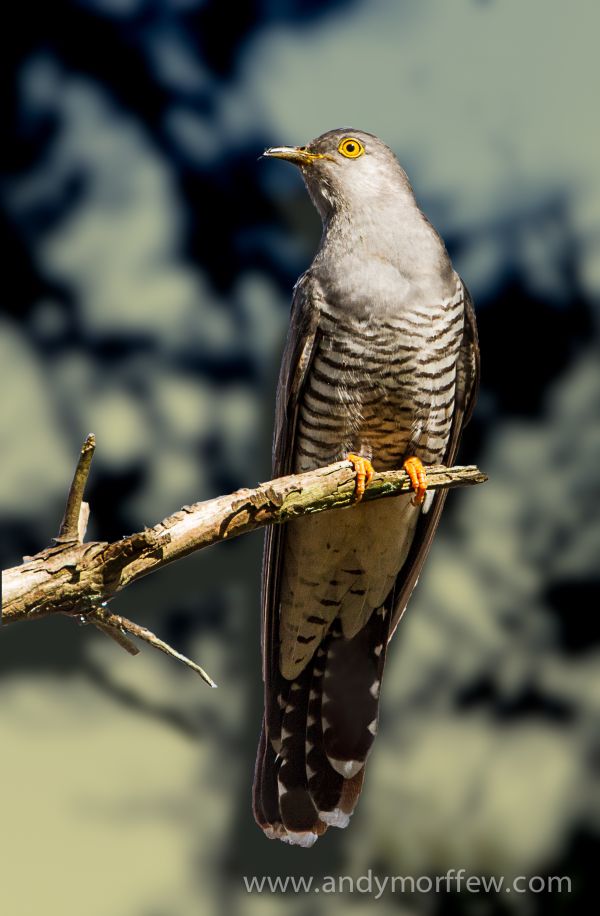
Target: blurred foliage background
point(148, 260)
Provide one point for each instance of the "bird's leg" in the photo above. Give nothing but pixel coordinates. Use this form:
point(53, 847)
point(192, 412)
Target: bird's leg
point(416, 471)
point(364, 473)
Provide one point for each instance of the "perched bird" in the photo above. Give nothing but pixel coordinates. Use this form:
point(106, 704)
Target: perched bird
point(381, 366)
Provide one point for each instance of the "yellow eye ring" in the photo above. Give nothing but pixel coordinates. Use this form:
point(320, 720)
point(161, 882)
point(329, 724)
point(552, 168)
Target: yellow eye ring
point(351, 148)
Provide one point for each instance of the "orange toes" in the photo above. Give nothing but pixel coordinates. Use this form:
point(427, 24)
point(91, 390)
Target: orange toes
point(416, 471)
point(364, 474)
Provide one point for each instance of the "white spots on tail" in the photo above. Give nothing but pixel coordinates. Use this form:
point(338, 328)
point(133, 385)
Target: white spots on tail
point(335, 818)
point(374, 689)
point(306, 839)
point(346, 768)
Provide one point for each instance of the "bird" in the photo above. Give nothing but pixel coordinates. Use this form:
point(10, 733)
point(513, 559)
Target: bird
point(380, 366)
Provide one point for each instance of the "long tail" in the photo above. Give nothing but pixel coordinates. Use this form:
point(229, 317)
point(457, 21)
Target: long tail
point(316, 735)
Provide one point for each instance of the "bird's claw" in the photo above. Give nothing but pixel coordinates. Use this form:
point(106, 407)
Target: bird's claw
point(418, 477)
point(364, 473)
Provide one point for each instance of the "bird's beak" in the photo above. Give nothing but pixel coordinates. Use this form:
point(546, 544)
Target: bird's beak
point(297, 154)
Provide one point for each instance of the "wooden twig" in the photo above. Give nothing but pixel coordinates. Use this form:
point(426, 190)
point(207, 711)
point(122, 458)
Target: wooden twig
point(115, 633)
point(116, 624)
point(77, 578)
point(74, 523)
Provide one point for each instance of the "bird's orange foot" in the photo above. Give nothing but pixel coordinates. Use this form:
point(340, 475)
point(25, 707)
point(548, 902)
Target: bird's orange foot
point(416, 471)
point(364, 474)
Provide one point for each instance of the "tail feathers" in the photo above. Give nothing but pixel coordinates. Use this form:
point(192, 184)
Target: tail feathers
point(265, 797)
point(325, 784)
point(287, 815)
point(317, 733)
point(351, 686)
point(298, 812)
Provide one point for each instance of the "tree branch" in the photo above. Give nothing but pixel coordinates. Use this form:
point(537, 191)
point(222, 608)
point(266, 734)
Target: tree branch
point(116, 627)
point(77, 579)
point(74, 523)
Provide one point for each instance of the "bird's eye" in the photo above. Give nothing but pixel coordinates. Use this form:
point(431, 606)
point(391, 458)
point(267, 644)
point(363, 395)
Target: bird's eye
point(351, 148)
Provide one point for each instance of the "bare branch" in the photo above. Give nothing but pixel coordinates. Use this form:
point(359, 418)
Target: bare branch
point(115, 634)
point(74, 523)
point(70, 578)
point(78, 579)
point(116, 627)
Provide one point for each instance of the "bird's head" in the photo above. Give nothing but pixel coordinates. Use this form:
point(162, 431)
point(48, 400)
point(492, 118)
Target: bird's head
point(347, 168)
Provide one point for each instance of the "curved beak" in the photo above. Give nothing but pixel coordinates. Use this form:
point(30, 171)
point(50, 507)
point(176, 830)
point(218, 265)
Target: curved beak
point(296, 154)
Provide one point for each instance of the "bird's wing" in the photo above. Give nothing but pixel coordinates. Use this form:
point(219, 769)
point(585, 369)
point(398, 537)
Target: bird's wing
point(467, 383)
point(303, 335)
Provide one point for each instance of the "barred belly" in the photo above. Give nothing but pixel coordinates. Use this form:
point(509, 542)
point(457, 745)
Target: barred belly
point(384, 390)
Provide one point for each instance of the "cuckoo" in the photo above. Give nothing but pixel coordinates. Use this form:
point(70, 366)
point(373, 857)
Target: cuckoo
point(380, 366)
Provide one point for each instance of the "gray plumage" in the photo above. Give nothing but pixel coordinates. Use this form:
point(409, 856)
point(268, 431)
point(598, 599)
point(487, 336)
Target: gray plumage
point(382, 361)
